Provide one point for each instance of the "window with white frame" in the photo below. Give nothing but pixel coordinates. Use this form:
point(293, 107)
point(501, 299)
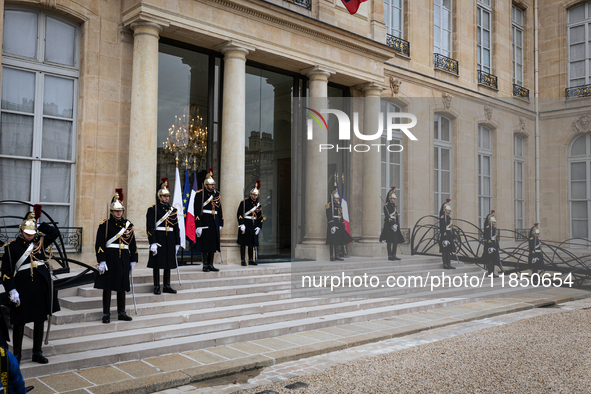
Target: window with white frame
point(519, 185)
point(40, 71)
point(442, 161)
point(580, 186)
point(391, 161)
point(393, 17)
point(442, 27)
point(484, 173)
point(517, 18)
point(579, 44)
point(483, 35)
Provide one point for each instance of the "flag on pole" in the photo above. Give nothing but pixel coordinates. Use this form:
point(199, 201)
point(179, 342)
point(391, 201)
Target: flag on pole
point(186, 194)
point(190, 224)
point(177, 202)
point(345, 208)
point(352, 5)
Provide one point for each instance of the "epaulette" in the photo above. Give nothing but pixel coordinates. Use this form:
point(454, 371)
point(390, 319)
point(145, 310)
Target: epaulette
point(101, 222)
point(200, 190)
point(327, 206)
point(153, 205)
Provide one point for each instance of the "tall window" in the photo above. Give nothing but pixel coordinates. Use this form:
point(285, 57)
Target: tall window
point(442, 161)
point(442, 27)
point(484, 13)
point(519, 164)
point(484, 173)
point(40, 71)
point(393, 17)
point(580, 184)
point(517, 46)
point(391, 161)
point(579, 42)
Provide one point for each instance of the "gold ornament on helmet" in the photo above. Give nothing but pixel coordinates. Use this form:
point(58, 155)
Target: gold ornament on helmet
point(335, 192)
point(209, 178)
point(391, 193)
point(256, 189)
point(492, 218)
point(29, 224)
point(163, 189)
point(116, 201)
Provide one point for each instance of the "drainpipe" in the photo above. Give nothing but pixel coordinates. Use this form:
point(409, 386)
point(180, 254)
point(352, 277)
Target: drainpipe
point(536, 106)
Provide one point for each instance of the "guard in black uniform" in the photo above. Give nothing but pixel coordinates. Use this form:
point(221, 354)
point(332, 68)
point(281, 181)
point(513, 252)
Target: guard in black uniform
point(490, 255)
point(162, 224)
point(27, 280)
point(209, 221)
point(336, 234)
point(391, 231)
point(446, 235)
point(536, 257)
point(250, 221)
point(116, 253)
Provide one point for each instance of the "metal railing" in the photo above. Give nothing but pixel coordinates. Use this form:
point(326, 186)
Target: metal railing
point(398, 44)
point(307, 4)
point(521, 92)
point(578, 91)
point(487, 79)
point(445, 63)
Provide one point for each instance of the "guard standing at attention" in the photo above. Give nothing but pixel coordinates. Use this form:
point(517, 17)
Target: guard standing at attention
point(446, 235)
point(336, 234)
point(490, 255)
point(209, 221)
point(250, 221)
point(391, 231)
point(536, 257)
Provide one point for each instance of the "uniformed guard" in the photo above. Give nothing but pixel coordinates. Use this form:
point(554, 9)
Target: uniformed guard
point(209, 221)
point(250, 221)
point(536, 257)
point(116, 253)
point(27, 280)
point(336, 234)
point(446, 236)
point(162, 224)
point(490, 254)
point(391, 231)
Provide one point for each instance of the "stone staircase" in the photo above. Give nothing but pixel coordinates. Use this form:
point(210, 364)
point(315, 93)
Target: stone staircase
point(237, 304)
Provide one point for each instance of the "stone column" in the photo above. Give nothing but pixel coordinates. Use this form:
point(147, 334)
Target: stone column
point(371, 179)
point(231, 179)
point(143, 133)
point(314, 244)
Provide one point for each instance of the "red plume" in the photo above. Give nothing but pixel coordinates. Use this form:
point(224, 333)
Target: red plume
point(393, 188)
point(37, 210)
point(493, 211)
point(120, 192)
point(163, 180)
point(536, 224)
point(259, 185)
point(211, 170)
point(335, 187)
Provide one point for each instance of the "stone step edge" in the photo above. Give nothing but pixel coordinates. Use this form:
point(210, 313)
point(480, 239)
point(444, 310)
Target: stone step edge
point(169, 380)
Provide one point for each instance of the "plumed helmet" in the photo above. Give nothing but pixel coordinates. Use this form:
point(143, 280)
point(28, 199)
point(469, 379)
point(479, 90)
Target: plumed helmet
point(209, 178)
point(335, 192)
point(256, 189)
point(116, 201)
point(391, 193)
point(29, 224)
point(163, 188)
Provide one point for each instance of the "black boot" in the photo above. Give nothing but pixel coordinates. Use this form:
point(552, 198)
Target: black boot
point(205, 261)
point(167, 288)
point(251, 260)
point(107, 318)
point(336, 254)
point(37, 342)
point(331, 248)
point(210, 261)
point(156, 276)
point(106, 306)
point(394, 247)
point(121, 315)
point(17, 341)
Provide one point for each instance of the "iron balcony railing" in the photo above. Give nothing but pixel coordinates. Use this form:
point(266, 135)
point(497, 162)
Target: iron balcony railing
point(521, 92)
point(447, 64)
point(578, 91)
point(398, 44)
point(487, 79)
point(307, 4)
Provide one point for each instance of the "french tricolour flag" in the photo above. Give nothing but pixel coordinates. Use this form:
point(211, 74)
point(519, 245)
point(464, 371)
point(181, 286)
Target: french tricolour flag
point(353, 5)
point(345, 212)
point(190, 224)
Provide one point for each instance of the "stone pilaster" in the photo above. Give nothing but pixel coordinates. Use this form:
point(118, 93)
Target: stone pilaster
point(231, 179)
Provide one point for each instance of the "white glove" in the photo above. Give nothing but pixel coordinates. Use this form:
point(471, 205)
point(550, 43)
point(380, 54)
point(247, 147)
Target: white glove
point(220, 228)
point(242, 228)
point(103, 267)
point(133, 263)
point(491, 250)
point(256, 230)
point(199, 232)
point(395, 227)
point(535, 260)
point(154, 248)
point(445, 243)
point(13, 295)
point(176, 249)
point(334, 230)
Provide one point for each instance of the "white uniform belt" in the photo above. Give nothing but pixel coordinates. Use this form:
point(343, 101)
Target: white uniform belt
point(537, 250)
point(248, 217)
point(164, 228)
point(207, 211)
point(116, 246)
point(28, 265)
